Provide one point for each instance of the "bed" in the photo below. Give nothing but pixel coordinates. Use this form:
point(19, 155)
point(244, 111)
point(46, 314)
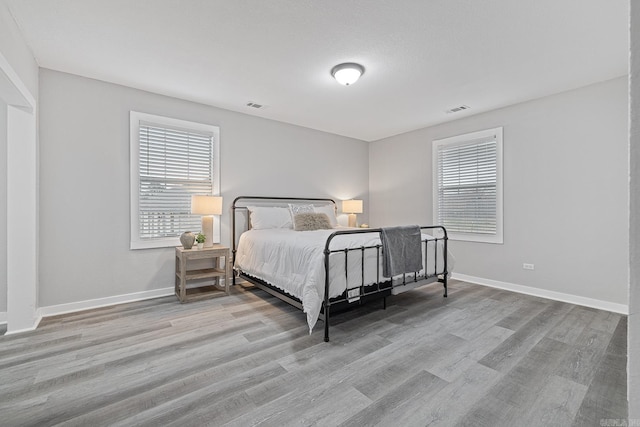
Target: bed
point(325, 269)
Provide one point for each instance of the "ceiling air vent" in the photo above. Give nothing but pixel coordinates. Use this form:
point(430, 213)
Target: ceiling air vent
point(254, 105)
point(457, 109)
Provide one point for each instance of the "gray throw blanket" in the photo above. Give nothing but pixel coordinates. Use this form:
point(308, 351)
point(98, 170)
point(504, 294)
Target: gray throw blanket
point(401, 250)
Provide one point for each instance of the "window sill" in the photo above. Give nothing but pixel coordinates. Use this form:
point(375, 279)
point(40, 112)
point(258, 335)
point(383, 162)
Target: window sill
point(494, 240)
point(155, 243)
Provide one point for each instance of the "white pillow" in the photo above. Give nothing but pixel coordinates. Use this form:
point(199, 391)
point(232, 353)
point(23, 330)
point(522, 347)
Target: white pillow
point(298, 209)
point(329, 211)
point(263, 217)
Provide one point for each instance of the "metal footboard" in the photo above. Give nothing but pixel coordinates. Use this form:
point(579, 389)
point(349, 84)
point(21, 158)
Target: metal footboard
point(381, 287)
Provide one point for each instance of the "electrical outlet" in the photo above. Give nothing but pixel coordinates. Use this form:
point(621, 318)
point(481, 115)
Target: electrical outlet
point(527, 266)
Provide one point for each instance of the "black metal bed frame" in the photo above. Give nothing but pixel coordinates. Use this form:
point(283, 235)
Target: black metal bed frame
point(378, 290)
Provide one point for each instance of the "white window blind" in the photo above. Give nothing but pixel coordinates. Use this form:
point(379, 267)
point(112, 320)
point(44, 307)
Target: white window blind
point(172, 163)
point(468, 193)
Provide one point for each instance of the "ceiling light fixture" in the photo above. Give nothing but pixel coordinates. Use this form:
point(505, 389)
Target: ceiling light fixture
point(347, 73)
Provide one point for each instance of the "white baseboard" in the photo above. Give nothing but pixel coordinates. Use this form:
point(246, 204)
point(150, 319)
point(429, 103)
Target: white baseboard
point(544, 293)
point(54, 310)
point(36, 322)
point(3, 317)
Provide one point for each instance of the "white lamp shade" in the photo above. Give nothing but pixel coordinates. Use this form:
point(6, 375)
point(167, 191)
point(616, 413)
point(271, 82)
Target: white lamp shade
point(352, 206)
point(206, 205)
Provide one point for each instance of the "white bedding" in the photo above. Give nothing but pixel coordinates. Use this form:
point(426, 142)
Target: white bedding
point(294, 262)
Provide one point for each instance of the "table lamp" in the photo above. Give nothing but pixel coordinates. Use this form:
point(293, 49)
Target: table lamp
point(352, 207)
point(207, 206)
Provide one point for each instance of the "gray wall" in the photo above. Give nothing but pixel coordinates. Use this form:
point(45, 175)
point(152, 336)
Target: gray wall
point(3, 206)
point(15, 50)
point(633, 347)
point(565, 191)
point(84, 180)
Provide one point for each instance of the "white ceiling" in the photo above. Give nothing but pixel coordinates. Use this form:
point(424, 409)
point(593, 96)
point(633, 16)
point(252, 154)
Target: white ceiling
point(421, 57)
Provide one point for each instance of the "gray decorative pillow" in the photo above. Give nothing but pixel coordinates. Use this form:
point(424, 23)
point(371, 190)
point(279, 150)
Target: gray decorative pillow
point(311, 221)
point(330, 211)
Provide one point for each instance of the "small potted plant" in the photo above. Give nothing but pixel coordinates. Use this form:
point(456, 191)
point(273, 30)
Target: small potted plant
point(200, 238)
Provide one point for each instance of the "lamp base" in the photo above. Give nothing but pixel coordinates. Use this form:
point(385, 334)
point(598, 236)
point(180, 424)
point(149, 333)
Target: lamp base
point(352, 220)
point(207, 230)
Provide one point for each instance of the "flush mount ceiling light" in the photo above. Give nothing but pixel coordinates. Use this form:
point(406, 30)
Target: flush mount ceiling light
point(347, 73)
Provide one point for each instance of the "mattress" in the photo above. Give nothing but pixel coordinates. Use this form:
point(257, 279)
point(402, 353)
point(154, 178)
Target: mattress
point(293, 261)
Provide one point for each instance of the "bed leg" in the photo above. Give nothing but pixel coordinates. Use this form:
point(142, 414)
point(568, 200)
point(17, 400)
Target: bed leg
point(384, 303)
point(326, 324)
point(444, 283)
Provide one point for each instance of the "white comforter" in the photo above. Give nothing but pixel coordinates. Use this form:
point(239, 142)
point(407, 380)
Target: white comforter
point(294, 262)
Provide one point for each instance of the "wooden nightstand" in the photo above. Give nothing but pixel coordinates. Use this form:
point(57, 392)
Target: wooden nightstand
point(220, 269)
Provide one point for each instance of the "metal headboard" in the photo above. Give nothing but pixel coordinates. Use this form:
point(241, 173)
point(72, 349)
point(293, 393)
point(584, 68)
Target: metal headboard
point(240, 203)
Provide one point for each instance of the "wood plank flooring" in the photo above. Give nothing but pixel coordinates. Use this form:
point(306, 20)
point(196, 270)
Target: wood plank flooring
point(482, 357)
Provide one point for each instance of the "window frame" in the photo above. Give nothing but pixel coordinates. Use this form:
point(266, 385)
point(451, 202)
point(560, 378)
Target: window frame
point(135, 117)
point(468, 138)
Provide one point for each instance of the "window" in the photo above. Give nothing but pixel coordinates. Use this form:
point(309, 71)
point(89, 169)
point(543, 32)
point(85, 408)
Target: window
point(467, 196)
point(170, 160)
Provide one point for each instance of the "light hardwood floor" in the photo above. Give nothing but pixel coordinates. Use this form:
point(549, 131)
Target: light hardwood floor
point(482, 357)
